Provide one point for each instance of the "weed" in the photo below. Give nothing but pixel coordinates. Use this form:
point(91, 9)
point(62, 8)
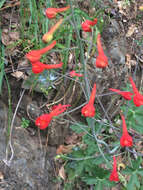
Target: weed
point(25, 123)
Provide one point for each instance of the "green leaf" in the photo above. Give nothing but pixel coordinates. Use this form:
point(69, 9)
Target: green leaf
point(100, 172)
point(1, 3)
point(136, 163)
point(134, 117)
point(128, 170)
point(79, 128)
point(71, 174)
point(133, 182)
point(89, 180)
point(140, 172)
point(99, 185)
point(108, 183)
point(98, 160)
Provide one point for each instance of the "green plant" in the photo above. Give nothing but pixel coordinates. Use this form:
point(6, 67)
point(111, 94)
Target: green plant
point(25, 123)
point(134, 116)
point(2, 63)
point(85, 161)
point(135, 171)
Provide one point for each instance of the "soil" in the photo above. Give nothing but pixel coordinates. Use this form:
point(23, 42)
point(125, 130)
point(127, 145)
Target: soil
point(32, 166)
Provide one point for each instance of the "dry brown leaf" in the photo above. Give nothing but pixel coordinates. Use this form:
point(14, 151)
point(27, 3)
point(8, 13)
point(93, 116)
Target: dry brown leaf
point(73, 139)
point(14, 36)
point(62, 149)
point(5, 37)
point(62, 173)
point(23, 63)
point(131, 30)
point(121, 7)
point(19, 75)
point(1, 176)
point(8, 38)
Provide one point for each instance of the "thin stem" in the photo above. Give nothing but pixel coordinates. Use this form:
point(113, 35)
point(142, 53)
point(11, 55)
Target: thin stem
point(6, 161)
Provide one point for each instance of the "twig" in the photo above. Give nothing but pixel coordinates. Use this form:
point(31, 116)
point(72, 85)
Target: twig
point(6, 161)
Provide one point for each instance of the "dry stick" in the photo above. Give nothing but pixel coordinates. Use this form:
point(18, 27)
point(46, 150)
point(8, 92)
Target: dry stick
point(101, 152)
point(106, 94)
point(65, 76)
point(8, 162)
point(134, 152)
point(10, 5)
point(81, 126)
point(102, 142)
point(105, 113)
point(103, 123)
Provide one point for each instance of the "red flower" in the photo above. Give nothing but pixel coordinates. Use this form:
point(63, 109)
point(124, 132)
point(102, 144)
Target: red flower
point(138, 98)
point(86, 26)
point(43, 121)
point(114, 174)
point(89, 110)
point(101, 60)
point(58, 109)
point(49, 35)
point(126, 95)
point(126, 139)
point(74, 74)
point(35, 55)
point(52, 12)
point(38, 67)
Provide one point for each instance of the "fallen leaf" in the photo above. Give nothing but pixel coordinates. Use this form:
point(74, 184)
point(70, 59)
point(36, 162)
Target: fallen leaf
point(131, 30)
point(1, 176)
point(8, 38)
point(62, 149)
point(62, 173)
point(73, 139)
point(23, 64)
point(19, 75)
point(5, 37)
point(14, 35)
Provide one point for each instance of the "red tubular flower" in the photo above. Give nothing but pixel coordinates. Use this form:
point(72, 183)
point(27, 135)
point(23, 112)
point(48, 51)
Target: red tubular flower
point(49, 35)
point(38, 67)
point(43, 121)
point(125, 95)
point(89, 110)
point(114, 174)
point(86, 26)
point(54, 66)
point(74, 74)
point(126, 139)
point(58, 109)
point(138, 98)
point(52, 12)
point(101, 60)
point(35, 55)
